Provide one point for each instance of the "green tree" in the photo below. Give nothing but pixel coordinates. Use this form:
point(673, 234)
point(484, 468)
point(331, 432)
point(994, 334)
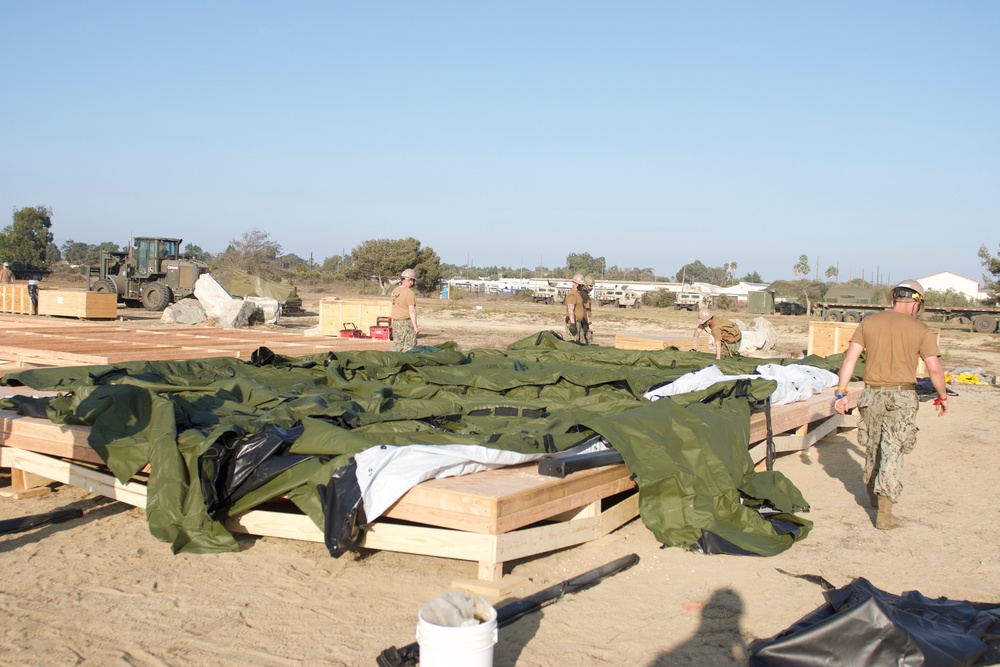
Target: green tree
point(832, 273)
point(27, 239)
point(753, 277)
point(195, 252)
point(383, 260)
point(696, 272)
point(585, 264)
point(992, 266)
point(254, 253)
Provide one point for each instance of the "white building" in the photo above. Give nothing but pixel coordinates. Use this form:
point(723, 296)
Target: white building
point(946, 280)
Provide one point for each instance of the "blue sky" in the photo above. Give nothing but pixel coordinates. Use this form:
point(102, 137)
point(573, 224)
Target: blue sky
point(865, 135)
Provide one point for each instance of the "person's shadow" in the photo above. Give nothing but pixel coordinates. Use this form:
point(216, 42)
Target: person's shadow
point(718, 641)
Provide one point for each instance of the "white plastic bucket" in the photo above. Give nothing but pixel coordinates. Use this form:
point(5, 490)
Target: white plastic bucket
point(445, 646)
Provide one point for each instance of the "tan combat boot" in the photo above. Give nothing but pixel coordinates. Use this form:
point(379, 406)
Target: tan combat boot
point(885, 520)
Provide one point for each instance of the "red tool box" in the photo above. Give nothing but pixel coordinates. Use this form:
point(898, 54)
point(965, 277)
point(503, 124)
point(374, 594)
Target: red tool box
point(382, 329)
point(351, 330)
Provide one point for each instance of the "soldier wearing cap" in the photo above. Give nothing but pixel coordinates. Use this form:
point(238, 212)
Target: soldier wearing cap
point(6, 277)
point(404, 313)
point(893, 341)
point(726, 333)
point(579, 325)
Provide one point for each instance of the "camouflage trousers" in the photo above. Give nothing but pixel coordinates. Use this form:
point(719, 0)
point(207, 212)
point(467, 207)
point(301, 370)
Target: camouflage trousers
point(403, 338)
point(583, 334)
point(731, 350)
point(887, 430)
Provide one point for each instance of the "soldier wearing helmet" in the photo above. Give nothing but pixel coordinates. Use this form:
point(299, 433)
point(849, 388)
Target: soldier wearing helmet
point(893, 342)
point(579, 325)
point(404, 313)
point(726, 333)
point(6, 276)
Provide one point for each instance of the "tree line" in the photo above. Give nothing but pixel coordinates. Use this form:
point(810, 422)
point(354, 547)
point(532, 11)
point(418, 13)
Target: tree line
point(28, 241)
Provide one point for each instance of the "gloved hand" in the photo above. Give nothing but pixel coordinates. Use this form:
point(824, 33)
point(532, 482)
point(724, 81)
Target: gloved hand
point(572, 328)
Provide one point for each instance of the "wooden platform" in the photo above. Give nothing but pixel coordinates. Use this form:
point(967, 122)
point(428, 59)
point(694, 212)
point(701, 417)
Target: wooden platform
point(44, 342)
point(490, 518)
point(646, 343)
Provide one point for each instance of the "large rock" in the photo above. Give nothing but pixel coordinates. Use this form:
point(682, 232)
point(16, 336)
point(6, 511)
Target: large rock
point(220, 307)
point(268, 309)
point(185, 311)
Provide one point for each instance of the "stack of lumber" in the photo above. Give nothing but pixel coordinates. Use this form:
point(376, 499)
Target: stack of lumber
point(27, 343)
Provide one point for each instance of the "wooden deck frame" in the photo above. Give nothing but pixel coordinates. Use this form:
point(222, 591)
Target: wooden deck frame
point(490, 518)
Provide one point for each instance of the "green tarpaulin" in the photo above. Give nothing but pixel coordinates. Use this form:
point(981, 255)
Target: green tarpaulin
point(687, 453)
point(242, 283)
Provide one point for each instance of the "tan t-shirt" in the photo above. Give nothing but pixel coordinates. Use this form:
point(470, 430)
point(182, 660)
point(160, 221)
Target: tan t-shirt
point(894, 343)
point(402, 298)
point(574, 298)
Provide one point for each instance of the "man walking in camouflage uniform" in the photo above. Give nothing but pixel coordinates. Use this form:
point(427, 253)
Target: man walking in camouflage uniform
point(894, 341)
point(404, 313)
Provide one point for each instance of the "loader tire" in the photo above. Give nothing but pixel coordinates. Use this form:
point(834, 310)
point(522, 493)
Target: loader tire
point(156, 296)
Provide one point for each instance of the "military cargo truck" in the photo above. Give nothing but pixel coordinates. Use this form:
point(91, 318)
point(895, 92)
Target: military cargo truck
point(849, 303)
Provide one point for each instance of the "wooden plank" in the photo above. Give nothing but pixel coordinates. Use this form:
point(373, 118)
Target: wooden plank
point(786, 418)
point(93, 344)
point(499, 501)
point(648, 343)
point(74, 474)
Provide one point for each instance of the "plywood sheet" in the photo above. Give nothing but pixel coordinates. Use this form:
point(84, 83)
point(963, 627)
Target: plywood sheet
point(44, 342)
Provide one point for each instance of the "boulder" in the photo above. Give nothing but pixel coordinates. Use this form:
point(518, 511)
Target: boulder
point(185, 311)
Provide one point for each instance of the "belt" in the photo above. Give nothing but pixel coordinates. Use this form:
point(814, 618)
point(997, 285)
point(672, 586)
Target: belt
point(897, 387)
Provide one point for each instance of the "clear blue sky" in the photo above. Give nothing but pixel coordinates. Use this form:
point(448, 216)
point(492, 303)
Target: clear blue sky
point(864, 134)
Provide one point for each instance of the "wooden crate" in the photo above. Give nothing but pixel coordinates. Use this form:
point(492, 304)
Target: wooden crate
point(633, 342)
point(826, 338)
point(14, 299)
point(363, 313)
point(78, 303)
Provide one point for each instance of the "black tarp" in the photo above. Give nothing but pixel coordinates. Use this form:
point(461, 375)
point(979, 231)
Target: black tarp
point(863, 625)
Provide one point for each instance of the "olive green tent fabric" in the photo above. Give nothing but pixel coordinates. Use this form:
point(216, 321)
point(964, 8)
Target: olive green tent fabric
point(687, 453)
point(242, 283)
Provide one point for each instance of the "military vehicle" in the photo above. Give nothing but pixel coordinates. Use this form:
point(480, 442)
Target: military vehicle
point(692, 301)
point(151, 272)
point(549, 295)
point(619, 296)
point(848, 303)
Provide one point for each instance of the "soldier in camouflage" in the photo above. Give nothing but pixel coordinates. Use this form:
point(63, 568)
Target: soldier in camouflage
point(894, 341)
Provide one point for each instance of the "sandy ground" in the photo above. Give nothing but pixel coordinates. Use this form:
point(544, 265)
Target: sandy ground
point(101, 590)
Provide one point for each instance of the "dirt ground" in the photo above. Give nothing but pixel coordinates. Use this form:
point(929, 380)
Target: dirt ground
point(101, 590)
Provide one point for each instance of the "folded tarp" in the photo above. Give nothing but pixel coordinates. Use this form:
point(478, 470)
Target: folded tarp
point(242, 283)
point(189, 419)
point(863, 625)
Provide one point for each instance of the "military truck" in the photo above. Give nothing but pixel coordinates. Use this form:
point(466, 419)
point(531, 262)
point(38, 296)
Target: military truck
point(618, 296)
point(549, 295)
point(692, 301)
point(848, 303)
point(151, 273)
